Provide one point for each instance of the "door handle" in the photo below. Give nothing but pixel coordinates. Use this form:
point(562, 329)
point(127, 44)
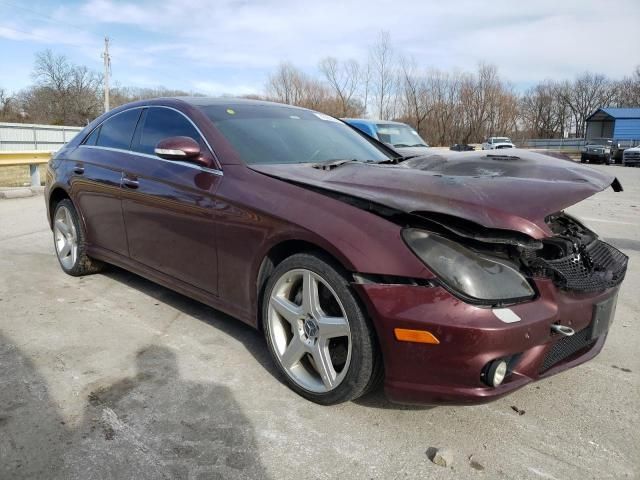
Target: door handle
point(78, 169)
point(127, 182)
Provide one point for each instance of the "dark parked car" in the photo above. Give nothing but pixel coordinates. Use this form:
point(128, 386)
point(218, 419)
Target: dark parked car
point(449, 276)
point(598, 150)
point(461, 147)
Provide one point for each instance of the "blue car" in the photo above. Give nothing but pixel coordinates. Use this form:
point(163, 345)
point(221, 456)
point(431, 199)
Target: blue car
point(400, 136)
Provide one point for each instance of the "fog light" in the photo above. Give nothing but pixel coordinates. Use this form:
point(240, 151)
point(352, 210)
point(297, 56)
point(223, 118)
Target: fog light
point(496, 372)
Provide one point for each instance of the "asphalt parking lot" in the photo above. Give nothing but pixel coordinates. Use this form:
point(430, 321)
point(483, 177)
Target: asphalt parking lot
point(112, 376)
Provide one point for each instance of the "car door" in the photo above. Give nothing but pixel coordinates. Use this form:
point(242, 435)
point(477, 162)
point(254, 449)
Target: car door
point(168, 205)
point(97, 166)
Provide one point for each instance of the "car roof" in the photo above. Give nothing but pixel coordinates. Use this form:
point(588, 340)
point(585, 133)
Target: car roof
point(231, 101)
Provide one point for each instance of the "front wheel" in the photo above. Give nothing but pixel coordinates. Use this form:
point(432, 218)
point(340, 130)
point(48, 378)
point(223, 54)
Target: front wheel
point(317, 333)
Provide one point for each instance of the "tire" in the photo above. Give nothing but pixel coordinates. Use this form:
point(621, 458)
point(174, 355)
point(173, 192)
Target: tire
point(583, 158)
point(301, 339)
point(69, 241)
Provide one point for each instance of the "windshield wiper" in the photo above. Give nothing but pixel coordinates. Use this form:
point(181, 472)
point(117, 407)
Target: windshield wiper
point(337, 162)
point(395, 160)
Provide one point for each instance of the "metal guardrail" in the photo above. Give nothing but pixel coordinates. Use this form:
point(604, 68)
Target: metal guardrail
point(28, 136)
point(33, 158)
point(571, 144)
point(561, 144)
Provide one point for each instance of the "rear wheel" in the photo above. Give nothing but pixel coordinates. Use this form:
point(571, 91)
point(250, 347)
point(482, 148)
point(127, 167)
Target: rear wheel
point(69, 241)
point(317, 332)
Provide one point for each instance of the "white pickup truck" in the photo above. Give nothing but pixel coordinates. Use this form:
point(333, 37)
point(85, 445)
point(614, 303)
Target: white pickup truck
point(494, 143)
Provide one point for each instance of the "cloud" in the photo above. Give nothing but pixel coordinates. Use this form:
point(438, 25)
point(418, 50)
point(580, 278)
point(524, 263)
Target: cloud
point(43, 35)
point(526, 40)
point(234, 44)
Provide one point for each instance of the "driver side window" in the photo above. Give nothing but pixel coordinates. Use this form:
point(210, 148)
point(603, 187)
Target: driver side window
point(161, 123)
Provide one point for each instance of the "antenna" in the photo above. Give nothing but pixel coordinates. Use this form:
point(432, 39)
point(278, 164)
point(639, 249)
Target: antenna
point(107, 72)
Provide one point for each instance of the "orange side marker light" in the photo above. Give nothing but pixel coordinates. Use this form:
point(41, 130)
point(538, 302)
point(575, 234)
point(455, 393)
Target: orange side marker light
point(416, 336)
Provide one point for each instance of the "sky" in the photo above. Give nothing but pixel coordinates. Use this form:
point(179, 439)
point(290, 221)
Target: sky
point(231, 46)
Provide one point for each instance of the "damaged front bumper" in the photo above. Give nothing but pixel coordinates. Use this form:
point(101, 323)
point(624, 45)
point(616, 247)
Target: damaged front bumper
point(470, 337)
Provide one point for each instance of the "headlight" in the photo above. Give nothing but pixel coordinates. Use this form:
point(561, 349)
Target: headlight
point(474, 277)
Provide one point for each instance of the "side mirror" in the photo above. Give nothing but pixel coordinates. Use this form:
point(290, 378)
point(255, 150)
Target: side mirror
point(184, 149)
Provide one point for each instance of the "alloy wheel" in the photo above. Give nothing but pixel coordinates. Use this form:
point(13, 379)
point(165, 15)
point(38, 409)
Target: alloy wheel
point(65, 237)
point(309, 330)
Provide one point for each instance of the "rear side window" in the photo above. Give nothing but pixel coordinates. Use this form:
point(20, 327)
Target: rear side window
point(91, 139)
point(161, 123)
point(118, 130)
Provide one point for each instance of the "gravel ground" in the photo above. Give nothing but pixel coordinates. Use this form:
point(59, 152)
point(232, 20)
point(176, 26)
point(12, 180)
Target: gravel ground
point(111, 376)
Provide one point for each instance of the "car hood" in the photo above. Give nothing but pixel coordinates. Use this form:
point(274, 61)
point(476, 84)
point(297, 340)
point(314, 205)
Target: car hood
point(513, 191)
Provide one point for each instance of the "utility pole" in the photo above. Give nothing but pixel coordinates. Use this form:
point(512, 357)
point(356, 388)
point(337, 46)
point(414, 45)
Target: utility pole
point(107, 72)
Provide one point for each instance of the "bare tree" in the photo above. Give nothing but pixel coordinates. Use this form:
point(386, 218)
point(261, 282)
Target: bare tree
point(417, 99)
point(584, 95)
point(343, 78)
point(121, 95)
point(383, 75)
point(64, 94)
point(542, 111)
point(444, 125)
point(286, 84)
point(292, 86)
point(628, 90)
point(8, 107)
point(366, 86)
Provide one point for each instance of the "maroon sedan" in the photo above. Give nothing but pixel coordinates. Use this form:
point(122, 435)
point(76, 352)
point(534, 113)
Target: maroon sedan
point(455, 277)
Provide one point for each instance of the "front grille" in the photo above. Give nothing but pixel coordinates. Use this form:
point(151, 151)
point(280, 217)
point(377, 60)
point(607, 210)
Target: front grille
point(593, 268)
point(565, 348)
point(631, 156)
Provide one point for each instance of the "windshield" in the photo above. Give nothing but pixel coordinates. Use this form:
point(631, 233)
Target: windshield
point(399, 135)
point(265, 134)
point(599, 141)
point(501, 140)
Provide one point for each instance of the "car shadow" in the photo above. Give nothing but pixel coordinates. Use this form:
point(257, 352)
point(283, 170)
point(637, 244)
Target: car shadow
point(249, 336)
point(378, 400)
point(252, 339)
point(154, 424)
point(33, 435)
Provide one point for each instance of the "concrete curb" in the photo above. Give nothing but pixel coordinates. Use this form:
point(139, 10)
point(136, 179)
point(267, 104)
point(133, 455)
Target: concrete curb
point(20, 192)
